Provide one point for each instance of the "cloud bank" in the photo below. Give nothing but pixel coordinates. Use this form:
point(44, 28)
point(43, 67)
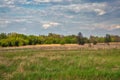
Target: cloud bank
point(61, 16)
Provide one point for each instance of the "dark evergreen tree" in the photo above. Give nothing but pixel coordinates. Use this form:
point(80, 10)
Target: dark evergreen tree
point(80, 39)
point(107, 39)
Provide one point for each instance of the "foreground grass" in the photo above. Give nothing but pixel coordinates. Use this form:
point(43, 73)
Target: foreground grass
point(35, 64)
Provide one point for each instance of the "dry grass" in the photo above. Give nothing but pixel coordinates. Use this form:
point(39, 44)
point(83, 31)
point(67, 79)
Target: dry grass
point(67, 46)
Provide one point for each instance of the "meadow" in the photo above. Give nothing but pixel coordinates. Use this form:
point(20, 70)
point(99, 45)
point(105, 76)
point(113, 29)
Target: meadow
point(80, 64)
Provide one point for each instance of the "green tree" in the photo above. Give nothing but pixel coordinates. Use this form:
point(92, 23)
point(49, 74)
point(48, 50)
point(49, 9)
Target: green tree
point(4, 43)
point(93, 40)
point(62, 42)
point(3, 36)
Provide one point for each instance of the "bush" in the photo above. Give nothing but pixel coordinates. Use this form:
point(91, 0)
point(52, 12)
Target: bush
point(4, 43)
point(13, 42)
point(62, 42)
point(94, 42)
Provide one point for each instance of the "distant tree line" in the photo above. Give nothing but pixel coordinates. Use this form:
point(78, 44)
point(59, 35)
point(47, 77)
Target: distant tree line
point(15, 39)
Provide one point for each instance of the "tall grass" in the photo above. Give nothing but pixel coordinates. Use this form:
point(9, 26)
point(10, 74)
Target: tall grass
point(35, 64)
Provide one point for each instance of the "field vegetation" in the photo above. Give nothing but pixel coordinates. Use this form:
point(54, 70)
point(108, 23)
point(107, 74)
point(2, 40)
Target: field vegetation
point(39, 64)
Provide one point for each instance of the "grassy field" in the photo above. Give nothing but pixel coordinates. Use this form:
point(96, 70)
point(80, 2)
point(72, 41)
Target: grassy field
point(81, 64)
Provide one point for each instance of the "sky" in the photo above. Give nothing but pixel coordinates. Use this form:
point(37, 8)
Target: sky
point(91, 17)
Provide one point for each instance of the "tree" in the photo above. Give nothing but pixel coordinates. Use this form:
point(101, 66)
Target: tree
point(62, 42)
point(3, 36)
point(107, 39)
point(16, 39)
point(4, 43)
point(80, 39)
point(115, 38)
point(93, 40)
point(33, 40)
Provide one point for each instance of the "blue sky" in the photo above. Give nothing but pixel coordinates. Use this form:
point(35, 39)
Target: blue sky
point(91, 17)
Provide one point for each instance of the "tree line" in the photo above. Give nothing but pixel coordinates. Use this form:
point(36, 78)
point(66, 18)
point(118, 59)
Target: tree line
point(16, 39)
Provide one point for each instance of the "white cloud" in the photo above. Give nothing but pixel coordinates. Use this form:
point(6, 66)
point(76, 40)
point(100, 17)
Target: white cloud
point(46, 1)
point(87, 7)
point(24, 1)
point(100, 11)
point(9, 1)
point(42, 0)
point(50, 24)
point(4, 23)
point(24, 29)
point(106, 26)
point(19, 20)
point(114, 27)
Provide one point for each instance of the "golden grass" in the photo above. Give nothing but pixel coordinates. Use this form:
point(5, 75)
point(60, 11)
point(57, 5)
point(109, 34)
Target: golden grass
point(67, 46)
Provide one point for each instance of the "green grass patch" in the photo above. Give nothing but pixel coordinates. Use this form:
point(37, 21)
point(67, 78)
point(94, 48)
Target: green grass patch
point(35, 64)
